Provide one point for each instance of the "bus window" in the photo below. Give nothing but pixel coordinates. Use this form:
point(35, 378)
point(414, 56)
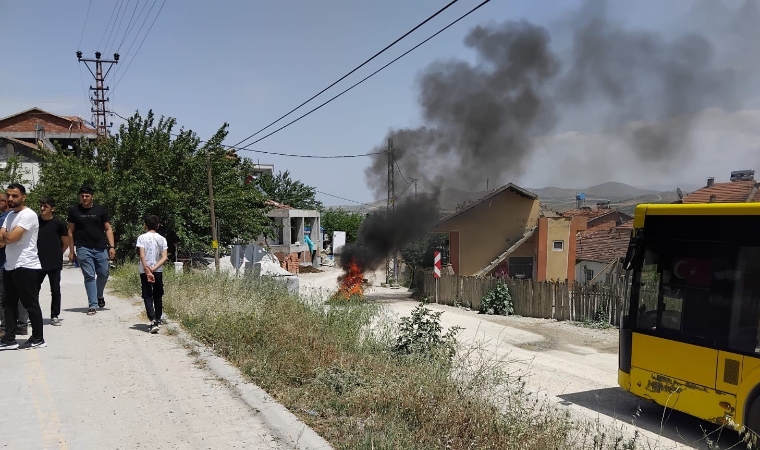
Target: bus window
point(648, 292)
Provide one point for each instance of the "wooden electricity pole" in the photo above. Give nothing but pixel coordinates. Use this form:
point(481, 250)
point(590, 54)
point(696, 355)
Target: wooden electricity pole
point(214, 237)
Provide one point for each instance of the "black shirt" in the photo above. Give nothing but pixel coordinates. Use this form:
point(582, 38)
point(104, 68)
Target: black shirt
point(89, 226)
point(49, 247)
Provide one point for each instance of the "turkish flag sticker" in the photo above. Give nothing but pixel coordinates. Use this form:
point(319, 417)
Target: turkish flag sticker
point(693, 271)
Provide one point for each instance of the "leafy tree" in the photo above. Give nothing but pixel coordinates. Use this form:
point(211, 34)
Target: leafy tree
point(282, 189)
point(338, 219)
point(148, 168)
point(420, 253)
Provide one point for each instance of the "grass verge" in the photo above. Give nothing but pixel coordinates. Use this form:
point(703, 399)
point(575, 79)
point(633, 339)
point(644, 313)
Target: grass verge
point(321, 362)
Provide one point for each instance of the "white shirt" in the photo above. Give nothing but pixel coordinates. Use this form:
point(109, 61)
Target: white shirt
point(22, 253)
point(154, 245)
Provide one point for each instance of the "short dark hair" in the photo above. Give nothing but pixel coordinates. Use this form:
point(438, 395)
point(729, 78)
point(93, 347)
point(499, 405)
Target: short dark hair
point(47, 200)
point(86, 190)
point(151, 222)
point(18, 186)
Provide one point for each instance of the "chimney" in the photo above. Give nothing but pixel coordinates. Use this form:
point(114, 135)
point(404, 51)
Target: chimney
point(713, 198)
point(710, 181)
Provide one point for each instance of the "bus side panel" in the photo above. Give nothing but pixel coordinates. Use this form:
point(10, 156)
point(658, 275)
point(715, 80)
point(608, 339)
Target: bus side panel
point(683, 396)
point(750, 379)
point(691, 363)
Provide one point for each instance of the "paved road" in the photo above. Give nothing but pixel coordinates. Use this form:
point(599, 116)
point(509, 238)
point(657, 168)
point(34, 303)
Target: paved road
point(103, 382)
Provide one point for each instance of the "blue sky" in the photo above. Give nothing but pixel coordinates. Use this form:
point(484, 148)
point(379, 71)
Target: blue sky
point(248, 62)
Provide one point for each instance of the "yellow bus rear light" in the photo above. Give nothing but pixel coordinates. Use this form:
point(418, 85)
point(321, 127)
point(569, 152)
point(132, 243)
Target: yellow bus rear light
point(725, 405)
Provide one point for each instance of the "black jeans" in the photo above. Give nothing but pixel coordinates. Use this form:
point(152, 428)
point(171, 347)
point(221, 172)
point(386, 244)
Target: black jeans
point(152, 294)
point(23, 316)
point(54, 277)
point(22, 285)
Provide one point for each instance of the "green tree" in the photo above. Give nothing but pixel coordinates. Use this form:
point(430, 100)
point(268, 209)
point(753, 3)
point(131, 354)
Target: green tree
point(420, 252)
point(149, 168)
point(283, 189)
point(338, 219)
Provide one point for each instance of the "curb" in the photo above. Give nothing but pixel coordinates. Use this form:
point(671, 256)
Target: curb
point(284, 425)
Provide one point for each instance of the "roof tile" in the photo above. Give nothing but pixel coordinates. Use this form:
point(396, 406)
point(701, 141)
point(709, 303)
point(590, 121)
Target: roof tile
point(735, 191)
point(604, 245)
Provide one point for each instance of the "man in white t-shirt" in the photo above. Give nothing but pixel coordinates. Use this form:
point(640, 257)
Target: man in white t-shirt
point(21, 276)
point(153, 254)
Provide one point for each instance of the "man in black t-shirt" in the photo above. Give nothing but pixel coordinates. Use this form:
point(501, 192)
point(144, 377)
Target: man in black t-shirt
point(52, 242)
point(87, 222)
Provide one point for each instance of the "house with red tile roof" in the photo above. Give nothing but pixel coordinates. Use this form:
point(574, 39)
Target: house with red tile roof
point(598, 249)
point(739, 191)
point(25, 134)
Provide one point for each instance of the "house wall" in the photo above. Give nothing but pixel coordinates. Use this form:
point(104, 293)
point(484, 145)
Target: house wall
point(558, 229)
point(490, 227)
point(557, 264)
point(597, 267)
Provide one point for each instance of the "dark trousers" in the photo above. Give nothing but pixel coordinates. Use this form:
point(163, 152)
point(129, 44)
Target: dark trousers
point(54, 277)
point(22, 285)
point(153, 294)
point(23, 316)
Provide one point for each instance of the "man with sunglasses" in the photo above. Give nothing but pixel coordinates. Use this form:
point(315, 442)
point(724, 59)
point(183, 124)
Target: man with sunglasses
point(23, 316)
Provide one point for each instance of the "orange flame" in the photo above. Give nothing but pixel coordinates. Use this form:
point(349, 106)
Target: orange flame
point(351, 281)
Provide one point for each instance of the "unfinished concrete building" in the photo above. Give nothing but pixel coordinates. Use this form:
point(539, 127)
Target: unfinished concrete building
point(290, 227)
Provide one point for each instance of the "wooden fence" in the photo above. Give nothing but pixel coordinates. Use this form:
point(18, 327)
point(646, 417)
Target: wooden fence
point(542, 299)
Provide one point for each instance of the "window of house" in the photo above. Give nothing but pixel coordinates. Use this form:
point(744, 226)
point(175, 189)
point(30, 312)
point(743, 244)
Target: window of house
point(558, 246)
point(589, 274)
point(521, 267)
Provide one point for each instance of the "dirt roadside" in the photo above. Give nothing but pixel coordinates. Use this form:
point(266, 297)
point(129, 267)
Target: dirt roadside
point(570, 364)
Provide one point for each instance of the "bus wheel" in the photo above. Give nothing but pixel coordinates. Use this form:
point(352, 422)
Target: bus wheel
point(753, 416)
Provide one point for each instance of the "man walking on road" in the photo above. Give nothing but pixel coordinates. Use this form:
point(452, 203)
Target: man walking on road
point(153, 254)
point(23, 316)
point(52, 242)
point(21, 276)
point(87, 222)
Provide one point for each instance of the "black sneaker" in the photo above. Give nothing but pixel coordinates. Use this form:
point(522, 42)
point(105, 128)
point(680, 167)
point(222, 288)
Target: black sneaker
point(102, 302)
point(8, 345)
point(91, 311)
point(55, 321)
point(32, 343)
point(154, 327)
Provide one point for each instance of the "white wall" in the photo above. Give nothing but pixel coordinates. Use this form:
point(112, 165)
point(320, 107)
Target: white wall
point(597, 267)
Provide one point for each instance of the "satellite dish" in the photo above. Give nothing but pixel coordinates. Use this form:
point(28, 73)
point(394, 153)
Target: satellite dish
point(680, 193)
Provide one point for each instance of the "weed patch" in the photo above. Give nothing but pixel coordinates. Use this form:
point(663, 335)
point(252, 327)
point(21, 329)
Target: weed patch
point(363, 382)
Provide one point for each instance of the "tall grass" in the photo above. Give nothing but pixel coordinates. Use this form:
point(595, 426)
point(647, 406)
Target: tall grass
point(334, 367)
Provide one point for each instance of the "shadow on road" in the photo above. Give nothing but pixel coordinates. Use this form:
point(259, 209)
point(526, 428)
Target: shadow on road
point(680, 427)
point(83, 310)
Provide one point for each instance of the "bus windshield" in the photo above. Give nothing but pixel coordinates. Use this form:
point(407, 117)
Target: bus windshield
point(697, 291)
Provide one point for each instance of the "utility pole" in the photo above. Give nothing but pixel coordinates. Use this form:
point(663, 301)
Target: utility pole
point(390, 206)
point(214, 236)
point(414, 180)
point(99, 108)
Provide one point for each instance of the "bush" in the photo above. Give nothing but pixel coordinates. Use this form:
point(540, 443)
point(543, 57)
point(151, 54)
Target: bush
point(497, 301)
point(421, 334)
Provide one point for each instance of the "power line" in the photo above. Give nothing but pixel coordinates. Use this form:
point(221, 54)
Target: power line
point(141, 44)
point(291, 155)
point(145, 20)
point(121, 21)
point(129, 24)
point(85, 24)
point(115, 29)
point(370, 75)
point(400, 173)
point(108, 25)
point(346, 199)
point(354, 70)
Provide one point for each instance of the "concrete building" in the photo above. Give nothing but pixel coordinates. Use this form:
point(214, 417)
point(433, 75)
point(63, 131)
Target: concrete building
point(27, 133)
point(290, 227)
point(508, 233)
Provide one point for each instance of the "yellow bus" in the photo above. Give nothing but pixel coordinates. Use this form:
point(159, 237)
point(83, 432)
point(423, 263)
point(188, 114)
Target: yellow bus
point(689, 326)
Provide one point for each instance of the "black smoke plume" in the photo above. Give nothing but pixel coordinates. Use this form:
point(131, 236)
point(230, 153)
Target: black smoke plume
point(637, 87)
point(385, 232)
